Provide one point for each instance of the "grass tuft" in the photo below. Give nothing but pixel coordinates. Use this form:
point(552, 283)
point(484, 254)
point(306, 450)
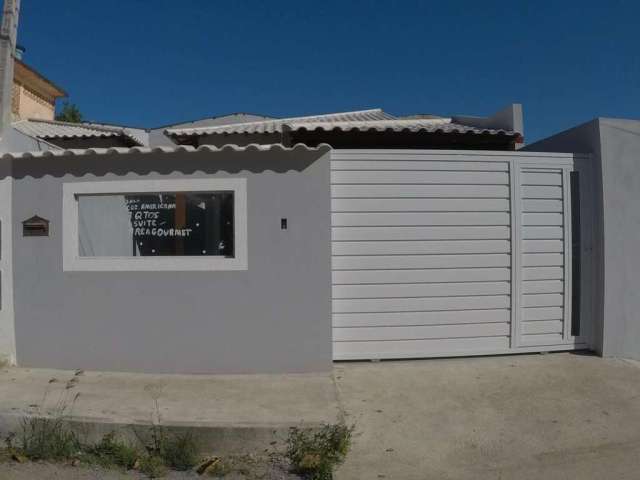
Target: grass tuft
point(47, 439)
point(180, 452)
point(111, 451)
point(316, 453)
point(152, 466)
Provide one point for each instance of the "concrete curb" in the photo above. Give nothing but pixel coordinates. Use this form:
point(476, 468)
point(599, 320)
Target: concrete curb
point(214, 439)
point(228, 414)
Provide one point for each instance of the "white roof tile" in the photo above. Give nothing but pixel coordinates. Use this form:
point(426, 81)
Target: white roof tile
point(163, 149)
point(430, 125)
point(47, 129)
point(363, 120)
point(277, 125)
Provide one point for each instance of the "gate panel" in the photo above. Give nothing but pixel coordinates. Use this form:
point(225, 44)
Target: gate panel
point(421, 255)
point(541, 235)
point(450, 253)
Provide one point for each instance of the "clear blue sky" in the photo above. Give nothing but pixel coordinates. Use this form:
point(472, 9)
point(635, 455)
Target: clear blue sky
point(155, 62)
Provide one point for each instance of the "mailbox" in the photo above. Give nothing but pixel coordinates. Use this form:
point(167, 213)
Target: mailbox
point(35, 227)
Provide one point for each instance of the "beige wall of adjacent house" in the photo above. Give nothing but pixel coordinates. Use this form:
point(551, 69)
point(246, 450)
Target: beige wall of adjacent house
point(26, 103)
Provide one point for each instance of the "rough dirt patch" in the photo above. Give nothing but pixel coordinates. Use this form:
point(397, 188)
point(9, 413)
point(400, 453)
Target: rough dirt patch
point(245, 468)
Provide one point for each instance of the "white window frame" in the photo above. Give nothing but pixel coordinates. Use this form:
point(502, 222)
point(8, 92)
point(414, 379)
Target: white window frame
point(72, 261)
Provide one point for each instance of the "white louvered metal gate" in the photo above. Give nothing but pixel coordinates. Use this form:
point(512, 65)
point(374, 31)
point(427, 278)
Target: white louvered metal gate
point(443, 253)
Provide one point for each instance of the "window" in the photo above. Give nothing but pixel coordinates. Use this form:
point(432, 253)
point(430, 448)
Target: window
point(160, 224)
point(155, 225)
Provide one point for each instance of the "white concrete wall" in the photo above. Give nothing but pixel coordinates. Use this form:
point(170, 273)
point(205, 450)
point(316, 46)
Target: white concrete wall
point(272, 317)
point(7, 326)
point(620, 152)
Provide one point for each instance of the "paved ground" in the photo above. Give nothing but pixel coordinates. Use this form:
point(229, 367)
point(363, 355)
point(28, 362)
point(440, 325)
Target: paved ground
point(247, 400)
point(555, 416)
point(231, 413)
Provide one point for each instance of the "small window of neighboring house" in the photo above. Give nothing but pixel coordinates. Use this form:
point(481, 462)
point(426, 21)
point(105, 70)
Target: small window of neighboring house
point(155, 225)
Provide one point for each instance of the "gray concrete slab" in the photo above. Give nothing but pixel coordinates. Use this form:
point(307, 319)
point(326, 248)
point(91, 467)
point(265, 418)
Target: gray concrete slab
point(555, 416)
point(234, 413)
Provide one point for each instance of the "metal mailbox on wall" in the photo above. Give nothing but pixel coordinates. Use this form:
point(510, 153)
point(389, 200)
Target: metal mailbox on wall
point(35, 227)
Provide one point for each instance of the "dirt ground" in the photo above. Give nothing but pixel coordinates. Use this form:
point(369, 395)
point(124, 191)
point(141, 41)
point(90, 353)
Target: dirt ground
point(263, 469)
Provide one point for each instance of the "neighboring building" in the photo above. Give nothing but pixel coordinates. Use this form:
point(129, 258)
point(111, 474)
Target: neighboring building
point(33, 95)
point(371, 128)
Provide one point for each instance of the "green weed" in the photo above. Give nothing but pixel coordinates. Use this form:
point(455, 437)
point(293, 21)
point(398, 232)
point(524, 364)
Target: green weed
point(315, 454)
point(152, 466)
point(111, 451)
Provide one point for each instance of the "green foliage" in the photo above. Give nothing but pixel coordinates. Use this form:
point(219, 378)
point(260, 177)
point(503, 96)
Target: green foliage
point(69, 113)
point(46, 435)
point(179, 452)
point(152, 466)
point(315, 454)
point(47, 439)
point(113, 451)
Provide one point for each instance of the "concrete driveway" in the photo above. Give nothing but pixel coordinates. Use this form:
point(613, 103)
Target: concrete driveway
point(555, 416)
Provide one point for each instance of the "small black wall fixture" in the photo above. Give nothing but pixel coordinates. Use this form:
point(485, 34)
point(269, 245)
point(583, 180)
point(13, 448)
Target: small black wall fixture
point(35, 227)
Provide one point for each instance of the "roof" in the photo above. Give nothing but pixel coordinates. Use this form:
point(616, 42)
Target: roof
point(278, 125)
point(51, 129)
point(364, 121)
point(139, 135)
point(161, 150)
point(444, 125)
point(375, 120)
point(25, 73)
point(226, 119)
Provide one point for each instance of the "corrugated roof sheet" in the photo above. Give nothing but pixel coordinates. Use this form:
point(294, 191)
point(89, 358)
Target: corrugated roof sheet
point(53, 129)
point(161, 150)
point(363, 120)
point(276, 126)
point(444, 125)
point(218, 120)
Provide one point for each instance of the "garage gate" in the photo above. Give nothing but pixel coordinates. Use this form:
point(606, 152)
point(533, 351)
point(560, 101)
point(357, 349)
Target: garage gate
point(440, 253)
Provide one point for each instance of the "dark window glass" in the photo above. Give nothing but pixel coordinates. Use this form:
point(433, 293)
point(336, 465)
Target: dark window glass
point(157, 224)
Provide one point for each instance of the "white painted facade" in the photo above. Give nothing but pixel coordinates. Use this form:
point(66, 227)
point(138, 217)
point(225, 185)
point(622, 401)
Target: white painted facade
point(433, 253)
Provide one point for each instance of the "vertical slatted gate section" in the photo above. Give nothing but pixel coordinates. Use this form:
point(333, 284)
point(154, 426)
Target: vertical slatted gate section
point(423, 262)
point(543, 252)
